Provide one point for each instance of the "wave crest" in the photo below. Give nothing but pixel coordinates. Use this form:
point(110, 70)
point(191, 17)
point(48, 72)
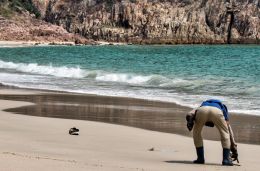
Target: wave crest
point(77, 72)
point(34, 68)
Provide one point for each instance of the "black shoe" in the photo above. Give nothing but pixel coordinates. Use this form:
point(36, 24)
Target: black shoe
point(200, 154)
point(74, 131)
point(226, 158)
point(199, 161)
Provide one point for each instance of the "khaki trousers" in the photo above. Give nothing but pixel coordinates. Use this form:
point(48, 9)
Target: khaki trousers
point(215, 115)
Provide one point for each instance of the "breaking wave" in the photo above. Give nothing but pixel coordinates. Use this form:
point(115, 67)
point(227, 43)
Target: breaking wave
point(77, 72)
point(34, 68)
point(242, 98)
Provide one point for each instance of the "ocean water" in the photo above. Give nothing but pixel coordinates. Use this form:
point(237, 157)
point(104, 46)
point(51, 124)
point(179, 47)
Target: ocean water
point(186, 75)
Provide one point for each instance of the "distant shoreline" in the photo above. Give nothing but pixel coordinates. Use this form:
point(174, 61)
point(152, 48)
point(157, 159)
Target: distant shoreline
point(50, 43)
point(14, 43)
point(30, 43)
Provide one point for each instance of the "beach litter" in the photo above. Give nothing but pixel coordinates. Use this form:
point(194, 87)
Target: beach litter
point(74, 131)
point(151, 149)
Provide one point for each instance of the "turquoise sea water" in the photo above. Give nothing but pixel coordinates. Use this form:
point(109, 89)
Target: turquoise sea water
point(186, 75)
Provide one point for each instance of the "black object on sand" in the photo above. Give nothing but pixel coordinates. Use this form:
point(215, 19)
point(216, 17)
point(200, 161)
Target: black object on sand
point(74, 131)
point(151, 149)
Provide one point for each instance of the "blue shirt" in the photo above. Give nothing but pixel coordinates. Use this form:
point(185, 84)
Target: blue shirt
point(217, 104)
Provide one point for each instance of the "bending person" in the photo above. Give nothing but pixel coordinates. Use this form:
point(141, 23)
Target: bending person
point(212, 112)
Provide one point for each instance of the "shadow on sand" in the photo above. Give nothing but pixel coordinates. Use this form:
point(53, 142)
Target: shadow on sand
point(191, 162)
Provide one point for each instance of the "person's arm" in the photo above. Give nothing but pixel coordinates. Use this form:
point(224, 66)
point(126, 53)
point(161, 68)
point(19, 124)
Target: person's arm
point(190, 117)
point(233, 146)
point(232, 139)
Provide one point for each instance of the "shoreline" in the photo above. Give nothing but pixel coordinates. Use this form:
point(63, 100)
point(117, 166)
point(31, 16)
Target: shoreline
point(42, 143)
point(32, 43)
point(146, 114)
point(20, 43)
point(120, 97)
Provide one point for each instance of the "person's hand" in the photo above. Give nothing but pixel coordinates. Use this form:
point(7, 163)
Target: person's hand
point(190, 121)
point(234, 154)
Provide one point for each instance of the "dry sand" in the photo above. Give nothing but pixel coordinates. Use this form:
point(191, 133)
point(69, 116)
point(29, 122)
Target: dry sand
point(36, 143)
point(15, 44)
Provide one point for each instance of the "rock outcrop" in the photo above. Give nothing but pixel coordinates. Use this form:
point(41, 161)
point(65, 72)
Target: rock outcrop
point(18, 22)
point(159, 21)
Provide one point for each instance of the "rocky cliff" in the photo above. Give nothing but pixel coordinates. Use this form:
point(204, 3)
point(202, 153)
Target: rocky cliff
point(20, 20)
point(157, 21)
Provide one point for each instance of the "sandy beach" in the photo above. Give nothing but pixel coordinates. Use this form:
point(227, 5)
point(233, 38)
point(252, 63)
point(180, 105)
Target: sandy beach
point(14, 44)
point(42, 143)
point(126, 74)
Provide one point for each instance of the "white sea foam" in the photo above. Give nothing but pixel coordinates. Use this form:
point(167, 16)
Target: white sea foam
point(154, 87)
point(123, 78)
point(34, 68)
point(77, 72)
point(180, 99)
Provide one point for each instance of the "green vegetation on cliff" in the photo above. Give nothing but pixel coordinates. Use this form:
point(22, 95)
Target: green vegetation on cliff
point(9, 7)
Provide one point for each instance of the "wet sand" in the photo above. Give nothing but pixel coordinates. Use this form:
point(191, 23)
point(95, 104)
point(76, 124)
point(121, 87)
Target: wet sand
point(151, 115)
point(43, 143)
